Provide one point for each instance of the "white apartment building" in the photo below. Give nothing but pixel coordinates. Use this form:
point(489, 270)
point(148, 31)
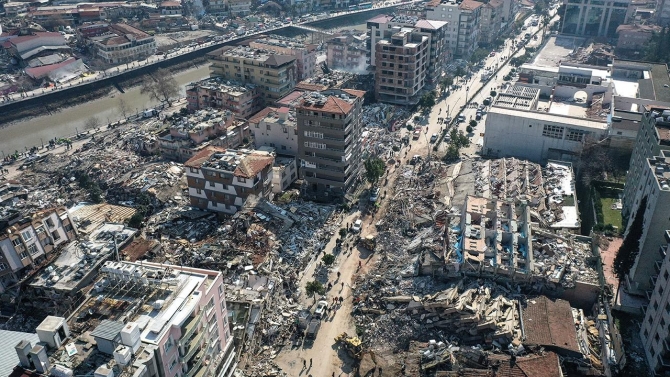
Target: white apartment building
point(121, 43)
point(304, 53)
point(275, 128)
point(463, 18)
point(654, 330)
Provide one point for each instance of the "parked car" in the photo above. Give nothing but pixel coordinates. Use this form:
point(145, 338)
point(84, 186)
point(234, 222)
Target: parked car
point(358, 224)
point(320, 310)
point(313, 328)
point(416, 134)
point(415, 159)
point(374, 194)
point(433, 138)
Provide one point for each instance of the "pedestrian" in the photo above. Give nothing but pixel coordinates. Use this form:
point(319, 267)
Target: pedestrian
point(304, 364)
point(342, 285)
point(338, 274)
point(310, 362)
point(341, 299)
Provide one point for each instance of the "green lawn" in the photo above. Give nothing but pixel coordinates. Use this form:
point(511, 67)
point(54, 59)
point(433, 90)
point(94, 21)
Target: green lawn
point(611, 216)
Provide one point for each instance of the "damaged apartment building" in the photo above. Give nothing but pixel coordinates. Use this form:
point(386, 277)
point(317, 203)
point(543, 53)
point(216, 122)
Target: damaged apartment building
point(29, 240)
point(139, 320)
point(524, 231)
point(221, 180)
point(190, 134)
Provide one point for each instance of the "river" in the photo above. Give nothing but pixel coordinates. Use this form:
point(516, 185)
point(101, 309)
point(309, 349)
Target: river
point(34, 131)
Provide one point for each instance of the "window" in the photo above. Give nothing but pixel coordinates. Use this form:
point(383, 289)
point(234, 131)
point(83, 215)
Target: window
point(173, 363)
point(16, 242)
point(168, 346)
point(554, 132)
point(3, 266)
point(283, 147)
point(220, 290)
point(32, 249)
point(241, 180)
point(257, 125)
point(23, 255)
point(269, 128)
point(211, 183)
point(665, 275)
point(55, 235)
point(575, 135)
point(27, 235)
point(50, 223)
point(198, 191)
point(312, 144)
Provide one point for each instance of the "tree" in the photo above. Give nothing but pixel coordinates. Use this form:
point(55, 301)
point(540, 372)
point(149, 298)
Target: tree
point(160, 86)
point(343, 232)
point(446, 82)
point(313, 288)
point(427, 100)
point(493, 93)
point(328, 259)
point(92, 123)
point(625, 256)
point(469, 129)
point(123, 107)
point(136, 220)
point(478, 55)
point(452, 153)
point(473, 123)
point(374, 169)
point(460, 72)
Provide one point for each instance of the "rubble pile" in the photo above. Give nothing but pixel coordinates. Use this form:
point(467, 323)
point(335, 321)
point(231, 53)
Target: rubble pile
point(385, 116)
point(471, 312)
point(510, 178)
point(563, 261)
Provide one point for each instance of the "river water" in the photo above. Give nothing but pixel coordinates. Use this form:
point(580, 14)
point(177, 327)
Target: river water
point(34, 131)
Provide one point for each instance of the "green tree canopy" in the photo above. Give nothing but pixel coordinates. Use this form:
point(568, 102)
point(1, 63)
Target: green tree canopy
point(627, 253)
point(374, 169)
point(314, 287)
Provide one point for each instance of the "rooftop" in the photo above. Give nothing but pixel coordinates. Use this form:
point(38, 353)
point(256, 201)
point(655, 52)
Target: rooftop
point(584, 122)
point(660, 117)
point(280, 41)
point(221, 85)
point(660, 166)
point(549, 323)
point(89, 217)
point(257, 54)
point(518, 97)
point(201, 120)
point(81, 259)
point(338, 101)
point(650, 80)
point(242, 163)
point(117, 34)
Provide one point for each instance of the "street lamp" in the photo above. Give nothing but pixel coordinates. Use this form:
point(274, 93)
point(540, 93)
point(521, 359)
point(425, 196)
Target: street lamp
point(467, 89)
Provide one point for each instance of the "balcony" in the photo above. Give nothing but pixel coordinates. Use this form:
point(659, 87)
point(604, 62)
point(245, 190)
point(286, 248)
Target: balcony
point(193, 347)
point(657, 266)
point(189, 327)
point(194, 368)
point(652, 280)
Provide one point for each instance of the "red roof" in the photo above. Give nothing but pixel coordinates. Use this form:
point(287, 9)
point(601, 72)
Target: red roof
point(549, 323)
point(39, 72)
point(261, 114)
point(202, 156)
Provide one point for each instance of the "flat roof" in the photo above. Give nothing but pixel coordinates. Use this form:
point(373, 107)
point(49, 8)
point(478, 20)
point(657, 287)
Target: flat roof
point(542, 116)
point(556, 50)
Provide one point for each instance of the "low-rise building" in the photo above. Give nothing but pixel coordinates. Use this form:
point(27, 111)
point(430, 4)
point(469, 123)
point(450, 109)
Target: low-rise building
point(31, 46)
point(274, 73)
point(117, 43)
point(347, 52)
point(239, 8)
point(15, 8)
point(305, 54)
point(170, 8)
point(189, 135)
point(284, 172)
point(519, 125)
point(635, 37)
point(177, 325)
point(276, 128)
point(243, 100)
point(221, 180)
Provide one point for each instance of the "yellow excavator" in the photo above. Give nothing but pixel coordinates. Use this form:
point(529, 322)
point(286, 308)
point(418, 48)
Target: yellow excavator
point(353, 345)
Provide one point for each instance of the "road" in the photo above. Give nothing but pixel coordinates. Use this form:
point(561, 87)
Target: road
point(322, 357)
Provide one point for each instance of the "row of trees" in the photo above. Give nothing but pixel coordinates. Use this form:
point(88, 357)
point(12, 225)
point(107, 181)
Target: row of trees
point(457, 141)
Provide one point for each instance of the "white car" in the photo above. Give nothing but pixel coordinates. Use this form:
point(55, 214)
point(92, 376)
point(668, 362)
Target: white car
point(358, 224)
point(320, 309)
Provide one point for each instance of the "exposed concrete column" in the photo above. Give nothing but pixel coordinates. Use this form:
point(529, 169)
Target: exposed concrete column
point(607, 24)
point(602, 18)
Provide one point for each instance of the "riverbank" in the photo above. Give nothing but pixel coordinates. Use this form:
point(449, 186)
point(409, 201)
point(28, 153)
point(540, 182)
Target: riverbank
point(40, 109)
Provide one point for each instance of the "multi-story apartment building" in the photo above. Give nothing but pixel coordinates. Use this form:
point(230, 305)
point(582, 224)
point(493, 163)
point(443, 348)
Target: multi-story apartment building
point(635, 37)
point(652, 137)
point(329, 124)
point(408, 53)
point(276, 128)
point(463, 18)
point(348, 53)
point(401, 66)
point(215, 7)
point(655, 187)
point(177, 326)
point(593, 17)
point(222, 179)
point(118, 43)
point(491, 21)
point(187, 136)
point(28, 242)
point(305, 54)
point(243, 100)
point(275, 74)
point(654, 329)
point(170, 9)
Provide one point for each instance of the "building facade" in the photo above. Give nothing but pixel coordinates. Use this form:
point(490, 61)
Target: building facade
point(221, 180)
point(329, 130)
point(463, 18)
point(242, 100)
point(275, 74)
point(118, 43)
point(305, 54)
point(593, 17)
point(654, 329)
point(492, 18)
point(276, 128)
point(347, 53)
point(635, 37)
point(652, 138)
point(655, 187)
